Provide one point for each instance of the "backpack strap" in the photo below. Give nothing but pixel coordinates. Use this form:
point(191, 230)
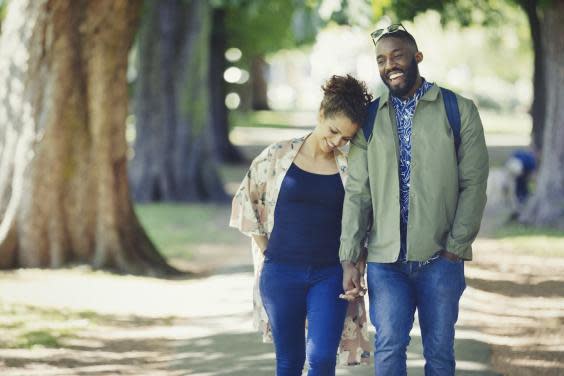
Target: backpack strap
point(451, 107)
point(368, 125)
point(453, 115)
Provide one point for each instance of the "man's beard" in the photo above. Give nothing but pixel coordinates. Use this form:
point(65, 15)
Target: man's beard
point(410, 79)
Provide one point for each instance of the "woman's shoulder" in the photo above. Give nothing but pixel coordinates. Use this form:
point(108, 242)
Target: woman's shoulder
point(278, 149)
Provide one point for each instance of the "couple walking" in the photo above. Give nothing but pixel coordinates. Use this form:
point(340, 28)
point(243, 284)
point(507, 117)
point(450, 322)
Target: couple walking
point(404, 205)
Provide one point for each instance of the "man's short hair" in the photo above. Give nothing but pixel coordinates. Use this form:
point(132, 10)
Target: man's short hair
point(403, 35)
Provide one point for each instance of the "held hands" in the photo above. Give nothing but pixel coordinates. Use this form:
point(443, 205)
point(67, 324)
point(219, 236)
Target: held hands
point(353, 280)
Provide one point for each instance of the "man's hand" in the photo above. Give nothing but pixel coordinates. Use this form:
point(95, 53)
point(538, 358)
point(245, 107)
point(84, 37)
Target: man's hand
point(449, 255)
point(361, 266)
point(351, 282)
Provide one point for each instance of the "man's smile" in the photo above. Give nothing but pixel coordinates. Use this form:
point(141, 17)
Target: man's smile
point(395, 76)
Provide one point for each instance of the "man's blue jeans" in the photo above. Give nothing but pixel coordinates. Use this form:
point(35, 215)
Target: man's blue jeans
point(395, 291)
point(290, 293)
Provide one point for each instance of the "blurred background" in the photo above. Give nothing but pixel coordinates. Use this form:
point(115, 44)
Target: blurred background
point(126, 126)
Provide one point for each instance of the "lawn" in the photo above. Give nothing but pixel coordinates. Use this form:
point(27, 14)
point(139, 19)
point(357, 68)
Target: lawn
point(529, 240)
point(177, 229)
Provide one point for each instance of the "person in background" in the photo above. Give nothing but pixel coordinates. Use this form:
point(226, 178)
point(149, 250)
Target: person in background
point(520, 167)
point(522, 164)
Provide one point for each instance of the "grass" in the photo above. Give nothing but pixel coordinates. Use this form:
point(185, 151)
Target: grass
point(39, 338)
point(177, 228)
point(506, 123)
point(531, 240)
point(26, 327)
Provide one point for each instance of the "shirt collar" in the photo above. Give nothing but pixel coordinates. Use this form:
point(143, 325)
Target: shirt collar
point(420, 92)
point(431, 94)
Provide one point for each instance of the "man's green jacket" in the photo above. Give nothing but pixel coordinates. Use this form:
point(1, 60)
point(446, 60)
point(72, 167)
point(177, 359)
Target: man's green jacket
point(447, 192)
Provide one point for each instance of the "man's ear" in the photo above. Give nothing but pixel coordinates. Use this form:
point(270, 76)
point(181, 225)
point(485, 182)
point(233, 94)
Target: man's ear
point(418, 57)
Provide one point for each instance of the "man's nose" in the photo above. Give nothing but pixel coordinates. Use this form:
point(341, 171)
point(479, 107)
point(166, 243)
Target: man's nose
point(390, 64)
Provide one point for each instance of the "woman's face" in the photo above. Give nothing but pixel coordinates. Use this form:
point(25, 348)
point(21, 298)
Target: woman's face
point(335, 131)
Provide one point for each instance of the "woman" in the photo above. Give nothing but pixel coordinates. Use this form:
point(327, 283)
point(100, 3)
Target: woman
point(290, 203)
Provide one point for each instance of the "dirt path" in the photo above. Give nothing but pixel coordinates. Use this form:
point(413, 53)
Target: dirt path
point(512, 318)
point(521, 309)
point(141, 326)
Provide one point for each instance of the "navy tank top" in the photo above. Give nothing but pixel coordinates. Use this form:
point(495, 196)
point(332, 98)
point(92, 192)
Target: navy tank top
point(307, 219)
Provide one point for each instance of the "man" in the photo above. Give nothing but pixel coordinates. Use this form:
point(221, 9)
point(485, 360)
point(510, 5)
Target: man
point(425, 197)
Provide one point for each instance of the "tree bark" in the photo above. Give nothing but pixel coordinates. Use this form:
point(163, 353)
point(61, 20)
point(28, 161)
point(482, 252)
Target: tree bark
point(173, 158)
point(546, 207)
point(64, 196)
point(226, 151)
point(539, 80)
point(259, 86)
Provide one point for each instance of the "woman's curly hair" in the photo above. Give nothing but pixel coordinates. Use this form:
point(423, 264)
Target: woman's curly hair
point(347, 96)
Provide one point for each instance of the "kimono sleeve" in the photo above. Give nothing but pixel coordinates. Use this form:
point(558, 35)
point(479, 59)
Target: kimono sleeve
point(248, 210)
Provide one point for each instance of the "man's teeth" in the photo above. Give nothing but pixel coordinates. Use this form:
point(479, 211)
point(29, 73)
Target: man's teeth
point(395, 75)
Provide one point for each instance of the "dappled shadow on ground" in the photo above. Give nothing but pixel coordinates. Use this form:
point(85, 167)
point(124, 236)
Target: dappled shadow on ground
point(517, 302)
point(203, 344)
point(236, 354)
point(106, 358)
point(142, 347)
point(142, 326)
point(546, 289)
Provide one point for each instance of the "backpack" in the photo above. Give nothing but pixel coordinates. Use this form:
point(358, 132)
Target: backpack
point(451, 107)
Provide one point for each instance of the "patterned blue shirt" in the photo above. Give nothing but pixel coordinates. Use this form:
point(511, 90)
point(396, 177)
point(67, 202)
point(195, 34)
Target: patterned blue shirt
point(404, 116)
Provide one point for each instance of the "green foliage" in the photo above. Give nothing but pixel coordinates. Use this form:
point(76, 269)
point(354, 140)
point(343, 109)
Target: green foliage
point(500, 26)
point(463, 12)
point(260, 27)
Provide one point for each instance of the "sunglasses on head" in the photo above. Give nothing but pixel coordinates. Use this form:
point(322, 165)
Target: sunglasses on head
point(376, 35)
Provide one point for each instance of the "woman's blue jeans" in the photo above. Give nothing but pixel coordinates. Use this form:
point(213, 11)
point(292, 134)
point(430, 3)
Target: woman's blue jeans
point(395, 291)
point(292, 293)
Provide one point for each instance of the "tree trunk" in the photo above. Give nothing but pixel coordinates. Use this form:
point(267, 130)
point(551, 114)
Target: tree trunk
point(259, 86)
point(226, 151)
point(539, 80)
point(64, 196)
point(173, 153)
point(546, 207)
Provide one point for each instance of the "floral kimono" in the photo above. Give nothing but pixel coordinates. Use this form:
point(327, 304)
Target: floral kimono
point(253, 214)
